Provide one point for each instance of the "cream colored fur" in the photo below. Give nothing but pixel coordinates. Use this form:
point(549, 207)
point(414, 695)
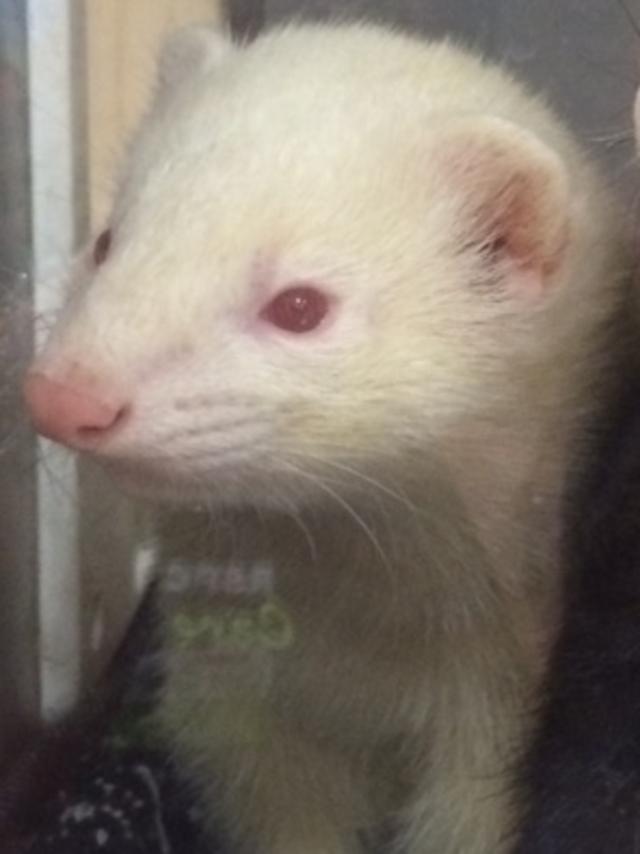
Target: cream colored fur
point(403, 468)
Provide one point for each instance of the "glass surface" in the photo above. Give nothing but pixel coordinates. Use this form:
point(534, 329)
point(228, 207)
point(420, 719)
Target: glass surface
point(17, 448)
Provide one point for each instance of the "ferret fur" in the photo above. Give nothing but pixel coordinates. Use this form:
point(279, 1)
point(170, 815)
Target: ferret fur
point(402, 468)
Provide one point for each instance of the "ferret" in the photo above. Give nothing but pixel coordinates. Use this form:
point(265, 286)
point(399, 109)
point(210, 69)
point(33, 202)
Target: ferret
point(348, 325)
point(581, 774)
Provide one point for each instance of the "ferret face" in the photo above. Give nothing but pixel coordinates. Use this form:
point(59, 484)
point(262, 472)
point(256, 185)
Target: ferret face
point(313, 267)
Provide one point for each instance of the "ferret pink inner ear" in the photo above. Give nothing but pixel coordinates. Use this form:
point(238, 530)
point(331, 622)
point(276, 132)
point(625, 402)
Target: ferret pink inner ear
point(516, 194)
point(298, 309)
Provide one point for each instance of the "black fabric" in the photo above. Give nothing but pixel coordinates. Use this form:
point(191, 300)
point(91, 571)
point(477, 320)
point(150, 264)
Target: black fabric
point(102, 783)
point(582, 776)
point(120, 802)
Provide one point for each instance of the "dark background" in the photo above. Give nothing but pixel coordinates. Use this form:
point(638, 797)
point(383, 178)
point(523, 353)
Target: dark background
point(584, 53)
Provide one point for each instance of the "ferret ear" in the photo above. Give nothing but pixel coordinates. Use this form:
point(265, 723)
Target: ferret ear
point(515, 193)
point(190, 52)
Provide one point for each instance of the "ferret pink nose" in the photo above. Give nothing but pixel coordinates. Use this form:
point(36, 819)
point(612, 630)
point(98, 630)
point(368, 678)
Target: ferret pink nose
point(70, 415)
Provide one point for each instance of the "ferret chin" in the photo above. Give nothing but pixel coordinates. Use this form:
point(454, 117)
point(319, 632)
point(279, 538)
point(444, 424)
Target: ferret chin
point(358, 294)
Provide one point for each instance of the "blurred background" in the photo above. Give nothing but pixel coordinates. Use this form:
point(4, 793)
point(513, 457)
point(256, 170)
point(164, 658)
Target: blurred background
point(74, 78)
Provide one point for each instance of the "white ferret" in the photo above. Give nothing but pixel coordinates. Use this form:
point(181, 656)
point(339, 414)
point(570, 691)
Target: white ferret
point(351, 316)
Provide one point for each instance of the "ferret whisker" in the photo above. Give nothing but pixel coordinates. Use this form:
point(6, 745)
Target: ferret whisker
point(633, 21)
point(54, 478)
point(614, 138)
point(379, 489)
point(219, 454)
point(297, 519)
point(227, 397)
point(211, 427)
point(10, 436)
point(629, 163)
point(348, 509)
point(44, 321)
point(377, 484)
point(40, 463)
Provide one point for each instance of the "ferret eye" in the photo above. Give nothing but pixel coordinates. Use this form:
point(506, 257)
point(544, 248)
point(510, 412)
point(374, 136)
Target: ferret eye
point(101, 247)
point(298, 309)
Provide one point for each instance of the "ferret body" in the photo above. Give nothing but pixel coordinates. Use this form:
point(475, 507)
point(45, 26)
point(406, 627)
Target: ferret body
point(582, 773)
point(350, 321)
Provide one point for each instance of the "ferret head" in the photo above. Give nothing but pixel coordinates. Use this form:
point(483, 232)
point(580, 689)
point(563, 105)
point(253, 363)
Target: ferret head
point(328, 250)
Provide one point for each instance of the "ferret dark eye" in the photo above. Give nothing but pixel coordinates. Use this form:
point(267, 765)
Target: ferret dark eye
point(299, 309)
point(101, 247)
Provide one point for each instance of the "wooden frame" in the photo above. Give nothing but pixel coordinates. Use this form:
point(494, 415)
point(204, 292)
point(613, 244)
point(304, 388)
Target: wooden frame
point(122, 42)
